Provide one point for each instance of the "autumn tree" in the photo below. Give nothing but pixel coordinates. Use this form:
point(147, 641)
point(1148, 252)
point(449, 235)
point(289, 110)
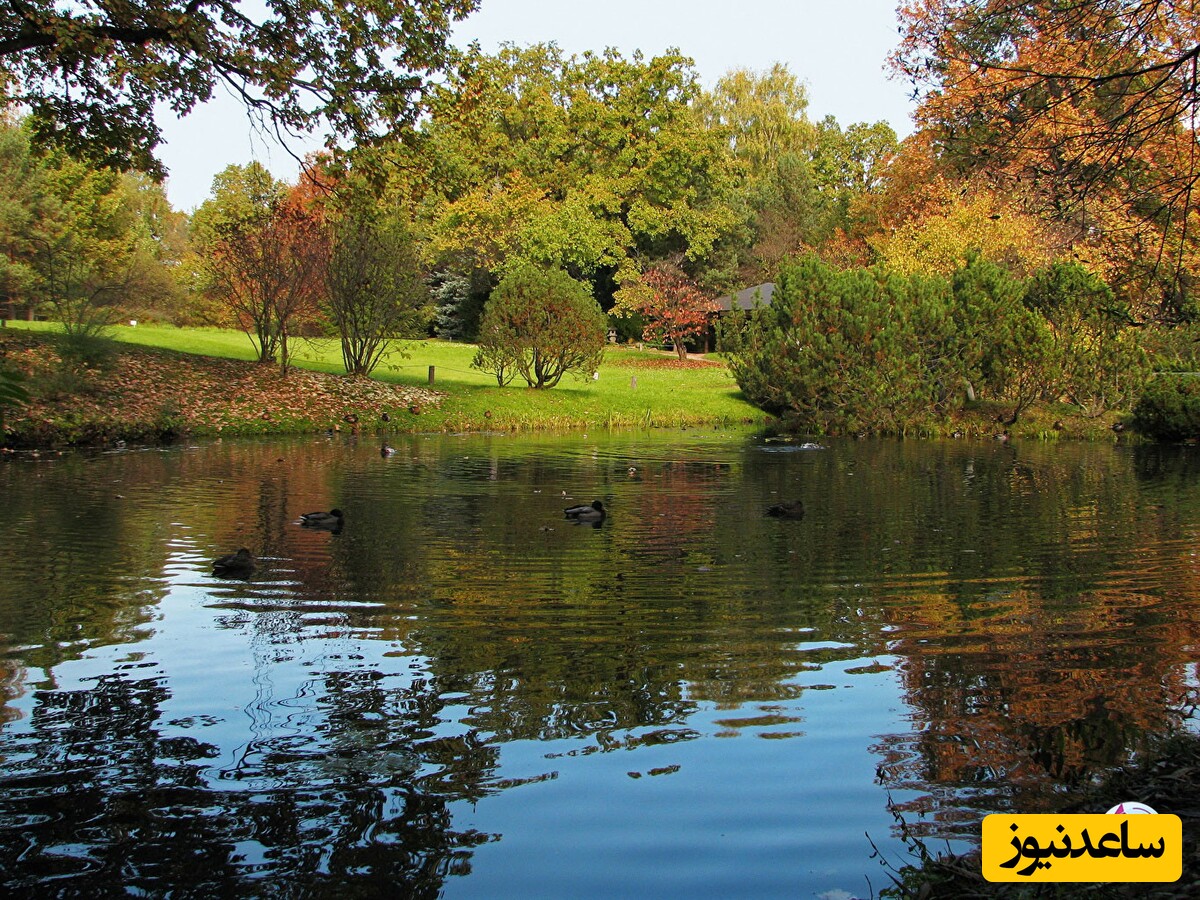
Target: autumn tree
point(540, 324)
point(374, 286)
point(672, 306)
point(1089, 107)
point(965, 222)
point(266, 256)
point(91, 73)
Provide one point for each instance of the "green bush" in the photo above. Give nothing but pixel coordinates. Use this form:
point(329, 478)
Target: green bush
point(876, 351)
point(1169, 408)
point(1096, 360)
point(541, 324)
point(860, 350)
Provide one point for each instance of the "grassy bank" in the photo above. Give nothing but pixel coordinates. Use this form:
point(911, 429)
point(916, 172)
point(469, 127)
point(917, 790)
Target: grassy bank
point(132, 387)
point(153, 381)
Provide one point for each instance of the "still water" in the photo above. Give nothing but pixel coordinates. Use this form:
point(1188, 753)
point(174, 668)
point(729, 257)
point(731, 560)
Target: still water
point(462, 694)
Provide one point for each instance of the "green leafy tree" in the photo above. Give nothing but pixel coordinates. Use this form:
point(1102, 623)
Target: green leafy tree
point(96, 253)
point(91, 72)
point(374, 286)
point(581, 163)
point(541, 324)
point(26, 210)
point(797, 181)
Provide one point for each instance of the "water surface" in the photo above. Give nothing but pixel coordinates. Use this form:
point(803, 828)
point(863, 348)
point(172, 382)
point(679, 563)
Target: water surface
point(462, 694)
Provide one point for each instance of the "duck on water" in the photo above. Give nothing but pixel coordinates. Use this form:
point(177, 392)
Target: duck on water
point(787, 509)
point(587, 512)
point(330, 521)
point(234, 565)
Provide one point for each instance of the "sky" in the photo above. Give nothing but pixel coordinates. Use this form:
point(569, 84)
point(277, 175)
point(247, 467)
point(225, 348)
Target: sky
point(838, 48)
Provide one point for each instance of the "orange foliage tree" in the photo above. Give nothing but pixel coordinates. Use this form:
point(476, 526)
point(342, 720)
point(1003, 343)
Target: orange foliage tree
point(1090, 107)
point(673, 306)
point(270, 270)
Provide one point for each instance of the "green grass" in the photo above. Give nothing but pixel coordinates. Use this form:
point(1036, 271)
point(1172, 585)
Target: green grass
point(661, 396)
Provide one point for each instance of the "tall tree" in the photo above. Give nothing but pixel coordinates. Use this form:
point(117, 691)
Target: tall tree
point(763, 115)
point(25, 211)
point(91, 72)
point(1091, 106)
point(796, 180)
point(90, 242)
point(585, 163)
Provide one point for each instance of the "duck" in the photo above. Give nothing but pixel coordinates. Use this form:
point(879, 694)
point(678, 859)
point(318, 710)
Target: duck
point(386, 451)
point(331, 520)
point(586, 512)
point(235, 564)
point(787, 509)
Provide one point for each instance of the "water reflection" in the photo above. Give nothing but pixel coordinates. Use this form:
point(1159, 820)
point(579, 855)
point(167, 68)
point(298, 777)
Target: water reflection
point(462, 692)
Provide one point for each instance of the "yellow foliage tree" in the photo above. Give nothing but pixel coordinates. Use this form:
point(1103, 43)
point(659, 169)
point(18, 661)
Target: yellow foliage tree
point(981, 222)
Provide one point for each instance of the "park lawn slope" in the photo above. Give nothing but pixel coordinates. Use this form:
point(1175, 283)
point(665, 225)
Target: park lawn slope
point(155, 383)
point(133, 393)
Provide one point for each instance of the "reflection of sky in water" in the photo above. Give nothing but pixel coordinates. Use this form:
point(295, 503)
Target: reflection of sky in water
point(693, 699)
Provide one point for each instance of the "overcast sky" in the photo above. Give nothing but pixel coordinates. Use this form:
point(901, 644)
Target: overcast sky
point(838, 48)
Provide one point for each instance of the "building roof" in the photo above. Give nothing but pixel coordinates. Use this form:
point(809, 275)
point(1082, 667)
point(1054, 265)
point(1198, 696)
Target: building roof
point(746, 298)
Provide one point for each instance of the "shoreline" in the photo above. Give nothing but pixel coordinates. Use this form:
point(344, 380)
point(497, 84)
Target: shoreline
point(110, 390)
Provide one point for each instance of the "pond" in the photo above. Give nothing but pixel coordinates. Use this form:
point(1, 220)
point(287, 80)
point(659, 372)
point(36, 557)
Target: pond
point(460, 693)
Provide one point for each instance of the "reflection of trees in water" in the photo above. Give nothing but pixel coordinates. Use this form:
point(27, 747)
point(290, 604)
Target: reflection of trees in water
point(1039, 697)
point(96, 802)
point(1033, 658)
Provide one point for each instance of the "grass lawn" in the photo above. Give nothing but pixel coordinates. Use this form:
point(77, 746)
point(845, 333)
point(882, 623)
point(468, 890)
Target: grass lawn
point(634, 388)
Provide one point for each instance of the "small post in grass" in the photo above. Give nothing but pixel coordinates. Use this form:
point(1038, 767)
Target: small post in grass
point(431, 368)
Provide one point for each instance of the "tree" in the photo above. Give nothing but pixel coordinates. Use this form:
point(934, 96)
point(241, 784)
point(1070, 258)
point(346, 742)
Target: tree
point(541, 324)
point(91, 72)
point(580, 163)
point(26, 210)
point(673, 307)
point(88, 242)
point(762, 115)
point(797, 180)
point(267, 253)
point(460, 298)
point(1091, 106)
point(374, 288)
